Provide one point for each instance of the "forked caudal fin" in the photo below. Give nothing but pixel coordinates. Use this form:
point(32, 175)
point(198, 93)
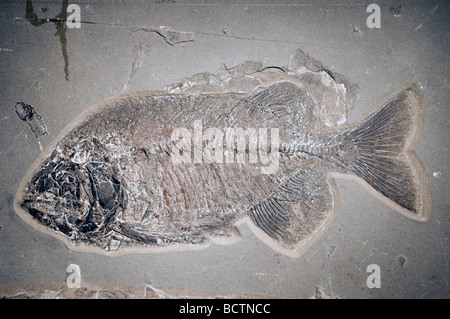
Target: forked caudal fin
point(380, 151)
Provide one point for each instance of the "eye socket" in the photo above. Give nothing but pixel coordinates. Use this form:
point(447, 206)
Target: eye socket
point(106, 195)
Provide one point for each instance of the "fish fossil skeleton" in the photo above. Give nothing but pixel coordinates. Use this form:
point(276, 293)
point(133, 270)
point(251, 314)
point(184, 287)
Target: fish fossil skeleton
point(109, 183)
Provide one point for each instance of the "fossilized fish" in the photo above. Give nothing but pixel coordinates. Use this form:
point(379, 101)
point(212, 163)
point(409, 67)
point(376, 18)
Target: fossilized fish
point(153, 171)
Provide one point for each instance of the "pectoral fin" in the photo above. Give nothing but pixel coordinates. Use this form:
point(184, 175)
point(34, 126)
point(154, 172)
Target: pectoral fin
point(292, 219)
point(226, 235)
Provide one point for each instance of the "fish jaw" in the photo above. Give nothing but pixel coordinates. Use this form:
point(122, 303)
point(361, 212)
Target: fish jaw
point(45, 213)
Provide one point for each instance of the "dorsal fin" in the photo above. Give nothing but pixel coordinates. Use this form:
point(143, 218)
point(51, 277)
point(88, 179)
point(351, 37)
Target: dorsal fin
point(285, 100)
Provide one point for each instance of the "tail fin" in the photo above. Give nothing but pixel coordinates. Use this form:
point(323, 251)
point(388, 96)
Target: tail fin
point(383, 156)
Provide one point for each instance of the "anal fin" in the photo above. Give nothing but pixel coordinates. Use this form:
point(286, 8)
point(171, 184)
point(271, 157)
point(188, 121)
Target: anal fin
point(297, 214)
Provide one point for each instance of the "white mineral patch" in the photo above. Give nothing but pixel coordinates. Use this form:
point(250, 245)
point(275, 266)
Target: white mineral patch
point(81, 158)
point(301, 70)
point(325, 80)
point(173, 90)
point(114, 244)
point(342, 120)
point(437, 174)
point(59, 149)
point(342, 88)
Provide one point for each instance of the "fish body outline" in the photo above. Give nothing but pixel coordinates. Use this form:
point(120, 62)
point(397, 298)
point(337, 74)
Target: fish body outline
point(289, 216)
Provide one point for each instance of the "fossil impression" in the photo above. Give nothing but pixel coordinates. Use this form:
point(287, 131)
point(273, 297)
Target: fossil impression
point(181, 168)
